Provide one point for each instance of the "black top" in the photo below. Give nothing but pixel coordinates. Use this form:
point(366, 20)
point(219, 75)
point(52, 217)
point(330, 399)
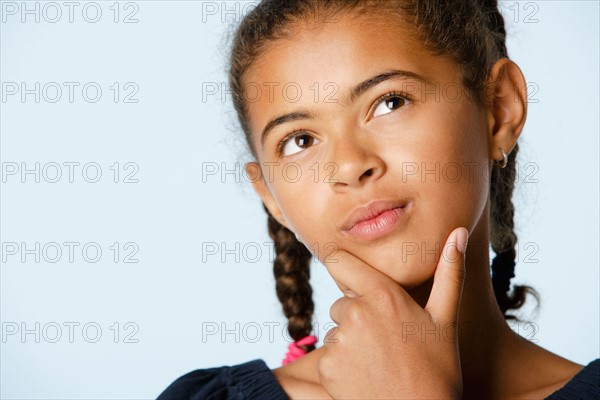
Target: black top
point(255, 381)
point(251, 380)
point(584, 385)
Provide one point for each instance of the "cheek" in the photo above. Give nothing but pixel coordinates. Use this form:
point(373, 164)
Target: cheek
point(452, 178)
point(303, 202)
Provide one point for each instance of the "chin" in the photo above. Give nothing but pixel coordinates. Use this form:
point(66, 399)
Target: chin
point(412, 279)
point(408, 271)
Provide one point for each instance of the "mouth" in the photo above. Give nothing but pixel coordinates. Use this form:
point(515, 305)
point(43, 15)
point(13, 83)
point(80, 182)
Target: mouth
point(376, 219)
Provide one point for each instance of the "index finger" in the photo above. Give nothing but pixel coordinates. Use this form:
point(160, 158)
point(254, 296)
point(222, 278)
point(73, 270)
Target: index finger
point(349, 271)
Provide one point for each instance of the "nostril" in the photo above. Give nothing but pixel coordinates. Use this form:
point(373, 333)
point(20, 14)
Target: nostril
point(368, 172)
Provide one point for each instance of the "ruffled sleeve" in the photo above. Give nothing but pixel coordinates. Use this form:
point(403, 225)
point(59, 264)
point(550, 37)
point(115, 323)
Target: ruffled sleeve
point(248, 381)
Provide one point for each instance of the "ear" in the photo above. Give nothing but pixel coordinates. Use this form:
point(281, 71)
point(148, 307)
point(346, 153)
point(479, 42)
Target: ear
point(261, 187)
point(507, 100)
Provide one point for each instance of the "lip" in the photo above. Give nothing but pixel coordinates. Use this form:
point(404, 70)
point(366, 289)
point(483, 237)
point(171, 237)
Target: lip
point(376, 218)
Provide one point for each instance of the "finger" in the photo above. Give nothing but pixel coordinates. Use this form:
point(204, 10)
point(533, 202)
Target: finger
point(355, 275)
point(338, 309)
point(449, 277)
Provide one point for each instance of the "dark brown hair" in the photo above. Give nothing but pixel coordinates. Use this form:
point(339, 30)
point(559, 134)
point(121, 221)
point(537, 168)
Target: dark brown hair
point(472, 33)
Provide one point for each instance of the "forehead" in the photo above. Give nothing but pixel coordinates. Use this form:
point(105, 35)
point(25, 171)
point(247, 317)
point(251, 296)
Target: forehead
point(320, 58)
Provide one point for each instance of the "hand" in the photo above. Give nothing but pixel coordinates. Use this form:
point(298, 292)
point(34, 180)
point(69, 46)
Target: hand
point(385, 344)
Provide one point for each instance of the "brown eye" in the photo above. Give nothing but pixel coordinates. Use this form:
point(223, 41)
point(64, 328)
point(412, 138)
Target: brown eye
point(389, 103)
point(298, 143)
point(304, 140)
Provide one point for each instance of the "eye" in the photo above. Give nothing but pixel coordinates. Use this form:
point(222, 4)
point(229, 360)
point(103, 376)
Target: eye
point(295, 142)
point(389, 102)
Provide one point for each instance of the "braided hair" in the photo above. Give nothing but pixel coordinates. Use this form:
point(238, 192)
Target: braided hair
point(472, 33)
point(291, 268)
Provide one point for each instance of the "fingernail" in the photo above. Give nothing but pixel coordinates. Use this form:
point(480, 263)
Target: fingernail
point(462, 237)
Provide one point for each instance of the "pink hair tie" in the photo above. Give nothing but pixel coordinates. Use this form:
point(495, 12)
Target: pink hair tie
point(294, 350)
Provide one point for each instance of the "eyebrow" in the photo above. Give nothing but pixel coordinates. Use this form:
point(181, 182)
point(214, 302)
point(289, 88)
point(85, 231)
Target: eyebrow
point(356, 92)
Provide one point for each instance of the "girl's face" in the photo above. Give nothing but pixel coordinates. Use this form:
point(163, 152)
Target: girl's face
point(423, 148)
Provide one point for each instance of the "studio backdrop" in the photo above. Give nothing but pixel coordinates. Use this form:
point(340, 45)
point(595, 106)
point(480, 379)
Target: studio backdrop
point(134, 248)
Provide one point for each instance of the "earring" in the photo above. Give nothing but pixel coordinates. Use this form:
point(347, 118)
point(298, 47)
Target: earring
point(502, 164)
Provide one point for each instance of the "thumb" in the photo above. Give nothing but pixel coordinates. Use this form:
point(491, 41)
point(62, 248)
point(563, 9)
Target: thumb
point(444, 300)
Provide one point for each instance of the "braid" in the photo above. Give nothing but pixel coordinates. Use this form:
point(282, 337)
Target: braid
point(291, 269)
point(504, 239)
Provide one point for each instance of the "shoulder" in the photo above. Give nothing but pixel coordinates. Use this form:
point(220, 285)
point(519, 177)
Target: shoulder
point(584, 385)
point(250, 380)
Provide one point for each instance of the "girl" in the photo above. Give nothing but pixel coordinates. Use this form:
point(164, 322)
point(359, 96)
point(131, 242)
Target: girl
point(385, 135)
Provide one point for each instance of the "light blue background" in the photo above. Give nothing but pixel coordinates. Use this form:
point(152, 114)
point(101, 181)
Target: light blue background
point(171, 134)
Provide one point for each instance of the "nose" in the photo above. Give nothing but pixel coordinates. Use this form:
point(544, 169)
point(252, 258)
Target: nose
point(355, 164)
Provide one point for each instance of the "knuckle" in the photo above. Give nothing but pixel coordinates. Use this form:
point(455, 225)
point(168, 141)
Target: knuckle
point(356, 312)
point(387, 297)
point(325, 368)
point(337, 309)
